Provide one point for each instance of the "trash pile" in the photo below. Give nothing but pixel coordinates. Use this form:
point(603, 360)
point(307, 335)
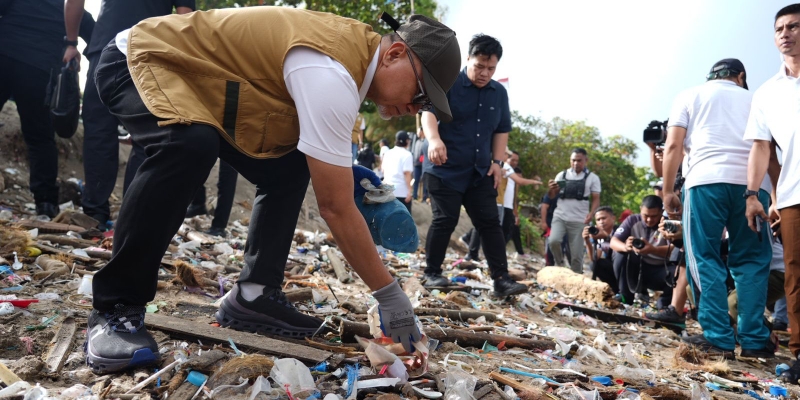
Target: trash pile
point(565, 339)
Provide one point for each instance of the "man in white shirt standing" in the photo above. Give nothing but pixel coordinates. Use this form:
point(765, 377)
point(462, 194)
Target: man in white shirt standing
point(574, 187)
point(707, 124)
point(397, 167)
point(774, 120)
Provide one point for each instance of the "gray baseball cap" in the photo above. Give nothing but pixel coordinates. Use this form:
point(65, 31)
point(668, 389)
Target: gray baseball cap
point(437, 48)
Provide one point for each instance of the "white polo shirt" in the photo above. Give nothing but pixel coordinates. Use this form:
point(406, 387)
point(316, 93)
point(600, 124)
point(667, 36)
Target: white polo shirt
point(714, 115)
point(508, 196)
point(775, 114)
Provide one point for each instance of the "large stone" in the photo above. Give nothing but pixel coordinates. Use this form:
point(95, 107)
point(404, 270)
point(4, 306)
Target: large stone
point(572, 284)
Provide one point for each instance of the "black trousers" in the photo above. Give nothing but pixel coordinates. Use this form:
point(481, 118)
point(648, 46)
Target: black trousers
point(479, 201)
point(178, 161)
point(653, 277)
point(101, 150)
point(603, 270)
point(226, 190)
point(28, 87)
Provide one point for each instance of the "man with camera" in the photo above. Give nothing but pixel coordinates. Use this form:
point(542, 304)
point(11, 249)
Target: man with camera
point(573, 187)
point(640, 254)
point(597, 239)
point(707, 123)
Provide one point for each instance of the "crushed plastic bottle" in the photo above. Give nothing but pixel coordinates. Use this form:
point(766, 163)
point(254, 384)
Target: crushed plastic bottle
point(699, 392)
point(621, 371)
point(459, 384)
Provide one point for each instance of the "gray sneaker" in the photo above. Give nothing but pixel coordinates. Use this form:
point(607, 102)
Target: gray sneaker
point(667, 315)
point(118, 340)
point(269, 313)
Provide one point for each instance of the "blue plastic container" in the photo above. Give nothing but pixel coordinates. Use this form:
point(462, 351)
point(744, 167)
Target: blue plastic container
point(390, 225)
point(197, 378)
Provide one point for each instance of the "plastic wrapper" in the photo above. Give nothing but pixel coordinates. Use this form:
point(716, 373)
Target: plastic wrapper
point(626, 353)
point(460, 384)
point(571, 392)
point(416, 366)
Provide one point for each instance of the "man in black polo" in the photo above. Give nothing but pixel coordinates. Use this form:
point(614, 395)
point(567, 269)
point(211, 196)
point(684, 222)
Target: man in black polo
point(464, 164)
point(101, 137)
point(31, 45)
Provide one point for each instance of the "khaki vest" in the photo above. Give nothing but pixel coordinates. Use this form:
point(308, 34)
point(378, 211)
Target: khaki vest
point(225, 68)
point(501, 190)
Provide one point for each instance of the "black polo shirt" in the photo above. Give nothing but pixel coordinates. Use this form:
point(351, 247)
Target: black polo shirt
point(32, 31)
point(478, 113)
point(118, 15)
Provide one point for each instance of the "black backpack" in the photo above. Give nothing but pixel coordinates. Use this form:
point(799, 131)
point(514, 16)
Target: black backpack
point(64, 100)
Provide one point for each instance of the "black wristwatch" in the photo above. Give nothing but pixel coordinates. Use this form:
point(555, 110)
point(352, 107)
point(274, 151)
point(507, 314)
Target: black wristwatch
point(748, 193)
point(498, 162)
point(70, 42)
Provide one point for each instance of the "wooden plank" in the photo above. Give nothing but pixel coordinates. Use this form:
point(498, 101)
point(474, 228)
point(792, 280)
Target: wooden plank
point(7, 376)
point(459, 315)
point(494, 375)
point(61, 344)
point(620, 318)
point(338, 266)
point(241, 339)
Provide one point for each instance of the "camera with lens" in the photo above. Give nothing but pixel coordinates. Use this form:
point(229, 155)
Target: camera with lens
point(656, 133)
point(672, 226)
point(593, 230)
point(638, 244)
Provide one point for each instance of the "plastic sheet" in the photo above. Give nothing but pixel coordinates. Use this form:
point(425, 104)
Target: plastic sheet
point(621, 371)
point(562, 334)
point(589, 351)
point(699, 392)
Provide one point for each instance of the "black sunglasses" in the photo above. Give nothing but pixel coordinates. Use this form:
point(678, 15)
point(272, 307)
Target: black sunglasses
point(421, 98)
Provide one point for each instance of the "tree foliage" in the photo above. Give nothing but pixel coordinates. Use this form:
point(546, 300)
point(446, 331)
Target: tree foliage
point(545, 148)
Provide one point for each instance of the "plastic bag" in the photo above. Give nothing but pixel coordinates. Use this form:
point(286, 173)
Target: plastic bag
point(63, 97)
point(571, 392)
point(600, 343)
point(562, 334)
point(589, 351)
point(292, 375)
point(699, 392)
point(626, 373)
point(460, 384)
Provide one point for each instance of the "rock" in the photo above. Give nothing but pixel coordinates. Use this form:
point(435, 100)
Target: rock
point(28, 368)
point(572, 284)
point(517, 274)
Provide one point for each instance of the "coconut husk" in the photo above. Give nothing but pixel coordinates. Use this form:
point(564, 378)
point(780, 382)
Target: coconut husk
point(13, 239)
point(692, 358)
point(248, 367)
point(188, 275)
point(664, 392)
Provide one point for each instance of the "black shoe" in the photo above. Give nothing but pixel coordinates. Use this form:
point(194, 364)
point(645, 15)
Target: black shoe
point(435, 280)
point(269, 313)
point(472, 258)
point(102, 221)
point(700, 342)
point(779, 326)
point(505, 286)
point(792, 374)
point(767, 352)
point(195, 210)
point(667, 315)
point(49, 209)
point(118, 340)
point(215, 231)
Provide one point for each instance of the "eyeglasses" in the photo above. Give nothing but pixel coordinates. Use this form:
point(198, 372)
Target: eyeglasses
point(420, 98)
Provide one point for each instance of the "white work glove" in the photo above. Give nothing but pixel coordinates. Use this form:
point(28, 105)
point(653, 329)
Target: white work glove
point(397, 315)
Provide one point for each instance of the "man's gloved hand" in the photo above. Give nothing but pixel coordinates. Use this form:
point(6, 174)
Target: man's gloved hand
point(360, 173)
point(397, 316)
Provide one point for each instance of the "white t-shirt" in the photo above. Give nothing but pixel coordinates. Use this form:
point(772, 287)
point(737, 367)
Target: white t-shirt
point(777, 263)
point(775, 114)
point(395, 163)
point(508, 196)
point(574, 210)
point(714, 115)
point(326, 97)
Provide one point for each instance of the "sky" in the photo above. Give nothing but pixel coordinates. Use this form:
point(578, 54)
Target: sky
point(617, 64)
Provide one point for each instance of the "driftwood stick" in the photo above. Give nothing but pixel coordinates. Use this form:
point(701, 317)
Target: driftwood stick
point(348, 330)
point(460, 315)
point(338, 266)
point(67, 241)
